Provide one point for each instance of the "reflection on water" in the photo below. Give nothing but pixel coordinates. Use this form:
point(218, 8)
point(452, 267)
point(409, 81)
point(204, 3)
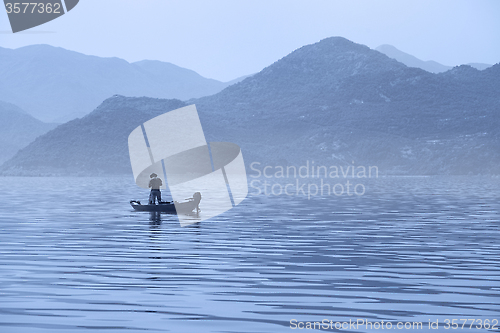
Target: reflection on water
point(76, 257)
point(155, 218)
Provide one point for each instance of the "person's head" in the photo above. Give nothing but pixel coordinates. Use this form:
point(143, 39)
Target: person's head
point(153, 175)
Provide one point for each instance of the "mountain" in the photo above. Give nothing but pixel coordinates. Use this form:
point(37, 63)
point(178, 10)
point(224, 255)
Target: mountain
point(17, 130)
point(54, 84)
point(333, 102)
point(93, 145)
point(336, 102)
point(411, 61)
point(479, 66)
point(238, 79)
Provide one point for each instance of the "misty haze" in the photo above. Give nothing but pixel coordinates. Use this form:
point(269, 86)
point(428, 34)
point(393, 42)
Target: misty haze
point(371, 161)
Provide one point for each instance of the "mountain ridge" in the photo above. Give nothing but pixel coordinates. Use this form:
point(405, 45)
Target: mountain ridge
point(412, 61)
point(17, 130)
point(55, 84)
point(334, 102)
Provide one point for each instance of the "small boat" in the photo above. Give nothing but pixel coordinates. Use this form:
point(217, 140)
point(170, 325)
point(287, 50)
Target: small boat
point(170, 207)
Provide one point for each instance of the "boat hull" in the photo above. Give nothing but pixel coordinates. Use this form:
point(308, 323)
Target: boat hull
point(182, 207)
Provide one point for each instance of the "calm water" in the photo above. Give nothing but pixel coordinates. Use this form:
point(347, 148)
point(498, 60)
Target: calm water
point(74, 257)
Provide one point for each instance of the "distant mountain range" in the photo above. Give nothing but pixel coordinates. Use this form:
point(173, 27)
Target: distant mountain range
point(334, 102)
point(17, 130)
point(57, 85)
point(412, 61)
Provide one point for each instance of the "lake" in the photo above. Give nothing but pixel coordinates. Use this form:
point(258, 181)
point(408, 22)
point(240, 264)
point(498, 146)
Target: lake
point(75, 257)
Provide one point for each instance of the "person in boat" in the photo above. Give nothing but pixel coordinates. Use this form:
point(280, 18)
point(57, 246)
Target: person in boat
point(154, 184)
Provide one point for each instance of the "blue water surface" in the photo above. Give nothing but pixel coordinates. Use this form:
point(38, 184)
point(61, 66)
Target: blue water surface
point(74, 257)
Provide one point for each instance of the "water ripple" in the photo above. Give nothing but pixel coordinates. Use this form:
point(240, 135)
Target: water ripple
point(412, 249)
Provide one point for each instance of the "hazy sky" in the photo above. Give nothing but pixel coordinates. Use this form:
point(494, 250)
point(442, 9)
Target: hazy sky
point(225, 39)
